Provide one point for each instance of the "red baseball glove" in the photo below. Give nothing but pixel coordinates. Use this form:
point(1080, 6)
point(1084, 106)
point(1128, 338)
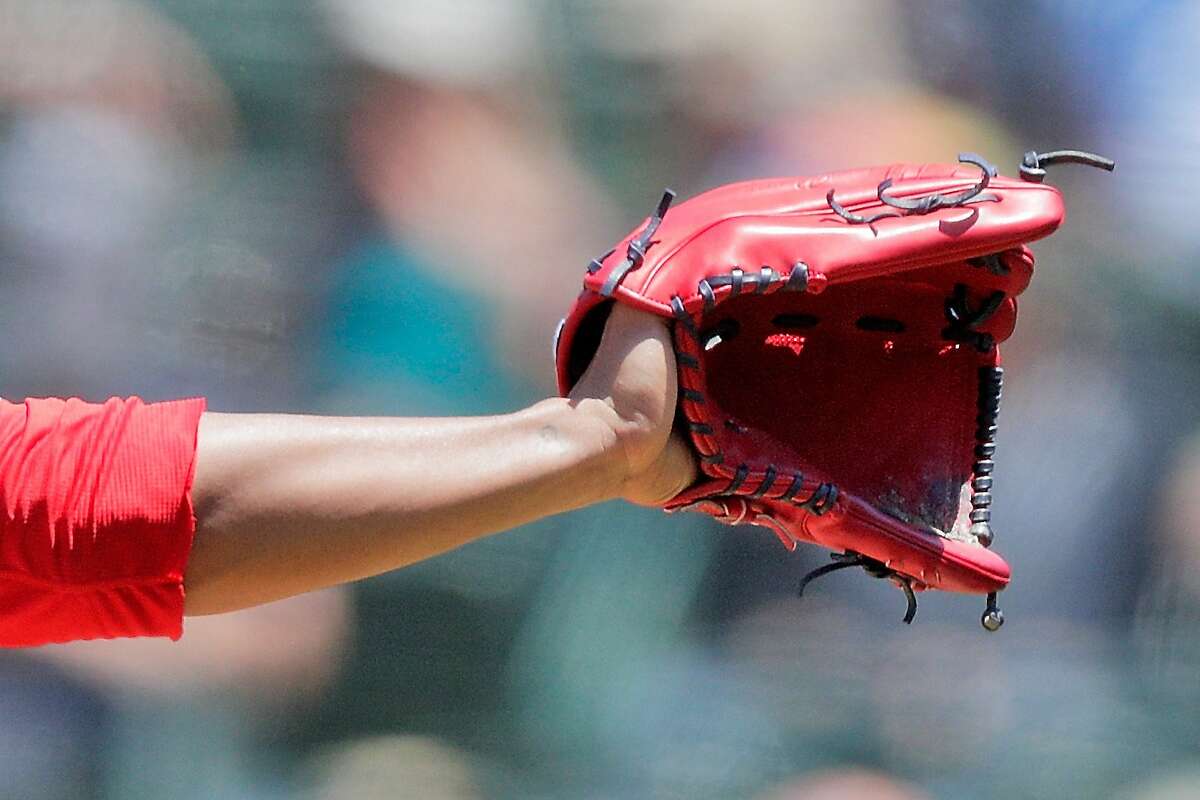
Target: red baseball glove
point(836, 340)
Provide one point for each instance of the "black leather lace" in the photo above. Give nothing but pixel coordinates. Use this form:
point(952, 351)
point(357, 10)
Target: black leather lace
point(906, 206)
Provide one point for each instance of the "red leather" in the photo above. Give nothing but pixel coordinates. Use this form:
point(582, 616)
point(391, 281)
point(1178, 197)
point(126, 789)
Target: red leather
point(775, 222)
point(889, 419)
point(932, 561)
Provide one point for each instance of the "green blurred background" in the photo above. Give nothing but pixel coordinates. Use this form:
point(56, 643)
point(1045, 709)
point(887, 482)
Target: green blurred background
point(382, 207)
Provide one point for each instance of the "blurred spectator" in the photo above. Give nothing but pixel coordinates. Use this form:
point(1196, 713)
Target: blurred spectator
point(485, 223)
point(466, 167)
point(902, 123)
point(661, 88)
point(111, 111)
point(113, 116)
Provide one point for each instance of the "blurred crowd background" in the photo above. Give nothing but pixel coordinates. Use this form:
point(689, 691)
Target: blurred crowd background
point(382, 207)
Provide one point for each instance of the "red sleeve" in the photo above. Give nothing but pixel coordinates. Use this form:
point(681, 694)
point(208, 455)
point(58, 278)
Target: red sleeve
point(96, 518)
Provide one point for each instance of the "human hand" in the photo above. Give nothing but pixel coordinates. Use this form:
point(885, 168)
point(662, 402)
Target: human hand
point(631, 386)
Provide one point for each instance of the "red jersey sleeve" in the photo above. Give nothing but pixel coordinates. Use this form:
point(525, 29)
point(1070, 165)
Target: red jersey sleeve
point(96, 518)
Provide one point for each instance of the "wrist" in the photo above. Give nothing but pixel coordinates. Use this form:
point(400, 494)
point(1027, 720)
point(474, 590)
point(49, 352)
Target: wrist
point(588, 429)
point(635, 452)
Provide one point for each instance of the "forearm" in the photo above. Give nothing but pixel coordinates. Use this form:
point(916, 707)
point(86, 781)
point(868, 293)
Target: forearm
point(287, 504)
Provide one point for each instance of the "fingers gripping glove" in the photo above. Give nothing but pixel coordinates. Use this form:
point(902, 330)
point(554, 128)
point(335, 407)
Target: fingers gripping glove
point(836, 340)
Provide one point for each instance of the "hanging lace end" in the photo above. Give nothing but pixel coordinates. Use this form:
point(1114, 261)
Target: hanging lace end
point(635, 253)
point(1033, 165)
point(993, 617)
point(876, 569)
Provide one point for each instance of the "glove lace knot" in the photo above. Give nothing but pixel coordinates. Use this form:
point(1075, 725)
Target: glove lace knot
point(963, 319)
point(907, 206)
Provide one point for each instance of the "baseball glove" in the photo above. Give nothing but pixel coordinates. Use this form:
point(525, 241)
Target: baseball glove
point(836, 340)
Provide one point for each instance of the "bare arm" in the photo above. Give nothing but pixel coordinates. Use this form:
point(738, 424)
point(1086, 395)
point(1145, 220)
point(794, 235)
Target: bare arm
point(288, 504)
